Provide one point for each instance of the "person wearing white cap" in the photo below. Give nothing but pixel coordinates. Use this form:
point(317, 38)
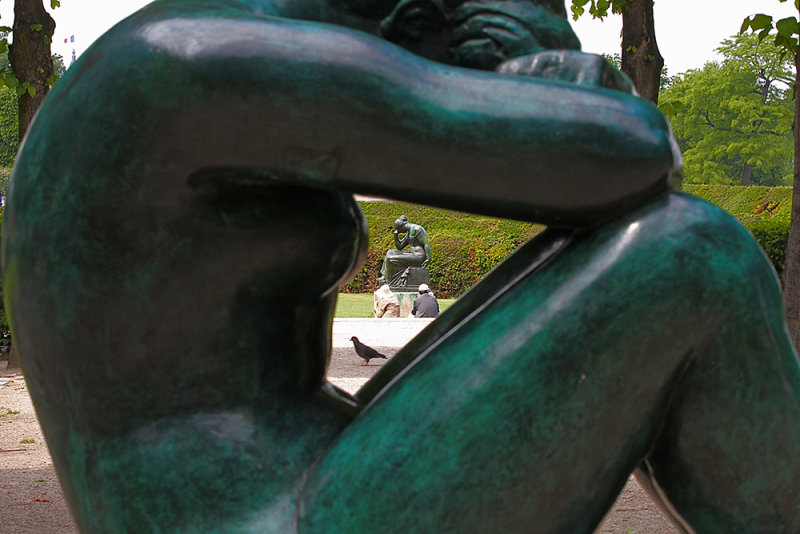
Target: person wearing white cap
point(425, 305)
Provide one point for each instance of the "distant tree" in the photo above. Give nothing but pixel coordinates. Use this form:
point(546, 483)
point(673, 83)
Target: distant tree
point(641, 59)
point(59, 67)
point(664, 81)
point(733, 119)
point(786, 35)
point(614, 59)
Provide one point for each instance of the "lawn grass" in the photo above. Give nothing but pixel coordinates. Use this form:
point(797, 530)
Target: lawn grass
point(354, 305)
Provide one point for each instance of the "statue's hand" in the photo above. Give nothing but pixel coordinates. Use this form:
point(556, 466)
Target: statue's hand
point(568, 66)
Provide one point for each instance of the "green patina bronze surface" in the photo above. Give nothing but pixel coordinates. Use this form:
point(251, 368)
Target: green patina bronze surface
point(181, 216)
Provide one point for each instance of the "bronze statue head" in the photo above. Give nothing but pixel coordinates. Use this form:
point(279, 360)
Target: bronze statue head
point(401, 224)
point(478, 34)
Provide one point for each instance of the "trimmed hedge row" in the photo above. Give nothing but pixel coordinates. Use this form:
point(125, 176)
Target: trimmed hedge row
point(466, 247)
point(5, 174)
point(765, 211)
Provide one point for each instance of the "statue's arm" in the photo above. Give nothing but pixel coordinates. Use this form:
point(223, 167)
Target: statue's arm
point(321, 105)
point(423, 237)
point(399, 244)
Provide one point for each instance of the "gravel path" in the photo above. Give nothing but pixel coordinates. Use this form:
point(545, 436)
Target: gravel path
point(31, 501)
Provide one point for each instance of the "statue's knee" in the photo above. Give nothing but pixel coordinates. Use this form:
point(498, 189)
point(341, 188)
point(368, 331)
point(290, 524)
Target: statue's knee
point(712, 252)
point(681, 248)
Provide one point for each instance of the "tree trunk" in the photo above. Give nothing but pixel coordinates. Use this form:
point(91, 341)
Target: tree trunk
point(747, 173)
point(641, 60)
point(791, 269)
point(30, 56)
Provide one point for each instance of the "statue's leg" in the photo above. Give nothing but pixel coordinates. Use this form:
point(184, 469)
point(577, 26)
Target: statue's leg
point(532, 257)
point(386, 270)
point(726, 459)
point(395, 263)
point(529, 415)
point(398, 261)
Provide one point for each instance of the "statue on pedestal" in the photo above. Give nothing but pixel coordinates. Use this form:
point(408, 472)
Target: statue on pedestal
point(406, 269)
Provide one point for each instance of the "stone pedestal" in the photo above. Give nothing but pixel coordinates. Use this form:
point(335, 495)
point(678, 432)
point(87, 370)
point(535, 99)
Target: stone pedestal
point(410, 279)
point(406, 299)
point(417, 276)
point(406, 287)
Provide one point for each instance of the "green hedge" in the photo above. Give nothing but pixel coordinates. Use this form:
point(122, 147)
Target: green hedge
point(5, 174)
point(765, 211)
point(750, 204)
point(465, 247)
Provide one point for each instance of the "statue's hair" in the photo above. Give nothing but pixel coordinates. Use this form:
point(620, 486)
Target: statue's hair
point(556, 6)
point(552, 28)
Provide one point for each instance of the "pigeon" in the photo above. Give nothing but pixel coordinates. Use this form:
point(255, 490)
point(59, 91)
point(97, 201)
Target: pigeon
point(365, 352)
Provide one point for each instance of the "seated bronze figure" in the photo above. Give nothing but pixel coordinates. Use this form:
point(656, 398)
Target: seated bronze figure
point(172, 265)
point(398, 262)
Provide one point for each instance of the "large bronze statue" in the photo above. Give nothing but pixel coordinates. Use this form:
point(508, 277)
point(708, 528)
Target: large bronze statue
point(398, 263)
point(171, 268)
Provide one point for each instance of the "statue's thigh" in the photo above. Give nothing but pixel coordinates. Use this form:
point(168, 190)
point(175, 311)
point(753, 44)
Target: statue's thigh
point(726, 459)
point(531, 413)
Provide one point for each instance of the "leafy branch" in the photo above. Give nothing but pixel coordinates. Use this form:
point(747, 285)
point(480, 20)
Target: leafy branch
point(598, 9)
point(7, 75)
point(787, 29)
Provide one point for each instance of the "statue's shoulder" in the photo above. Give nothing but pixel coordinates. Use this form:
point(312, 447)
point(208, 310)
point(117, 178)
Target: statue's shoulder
point(296, 9)
point(354, 14)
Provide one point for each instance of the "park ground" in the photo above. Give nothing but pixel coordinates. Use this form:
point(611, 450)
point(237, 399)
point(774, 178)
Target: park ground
point(31, 501)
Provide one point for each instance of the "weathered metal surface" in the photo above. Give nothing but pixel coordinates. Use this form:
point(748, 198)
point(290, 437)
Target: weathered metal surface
point(181, 216)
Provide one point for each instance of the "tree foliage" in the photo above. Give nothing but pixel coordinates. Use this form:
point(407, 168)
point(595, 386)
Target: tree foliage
point(9, 127)
point(787, 31)
point(7, 75)
point(599, 9)
point(733, 119)
point(9, 113)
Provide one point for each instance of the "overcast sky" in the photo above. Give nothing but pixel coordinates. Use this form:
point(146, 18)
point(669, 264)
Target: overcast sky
point(687, 31)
